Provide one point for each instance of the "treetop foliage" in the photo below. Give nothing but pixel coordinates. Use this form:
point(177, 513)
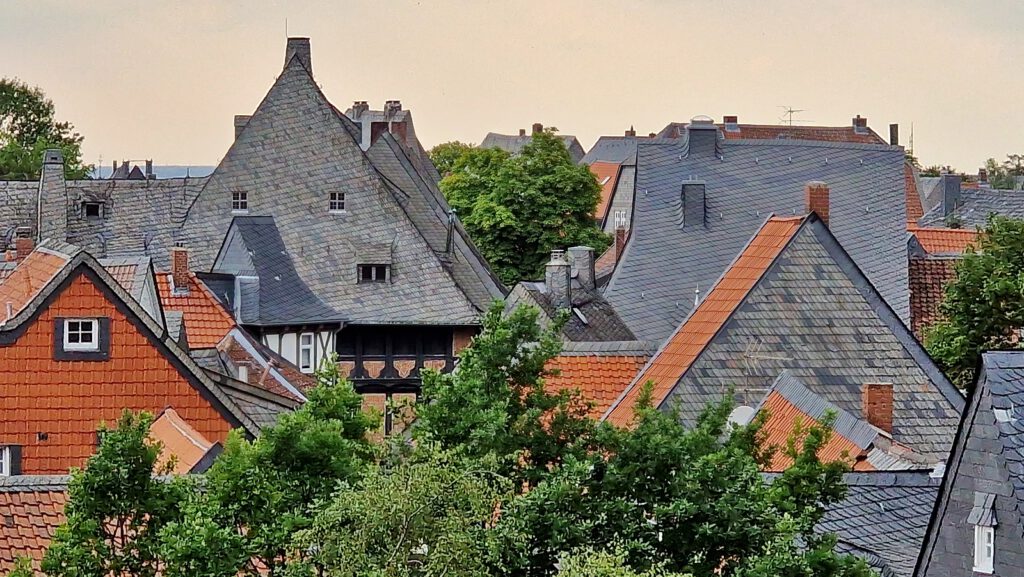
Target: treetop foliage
point(28, 127)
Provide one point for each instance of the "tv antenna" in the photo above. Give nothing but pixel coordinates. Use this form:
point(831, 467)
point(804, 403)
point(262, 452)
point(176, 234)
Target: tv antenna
point(787, 115)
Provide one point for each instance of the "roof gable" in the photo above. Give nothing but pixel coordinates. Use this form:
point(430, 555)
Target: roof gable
point(795, 300)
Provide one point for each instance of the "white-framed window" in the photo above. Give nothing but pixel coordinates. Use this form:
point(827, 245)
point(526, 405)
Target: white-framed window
point(984, 548)
point(306, 352)
point(5, 461)
point(243, 373)
point(620, 219)
point(239, 201)
point(81, 335)
point(336, 202)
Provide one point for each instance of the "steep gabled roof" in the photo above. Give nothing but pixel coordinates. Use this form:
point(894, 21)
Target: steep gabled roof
point(666, 262)
point(793, 299)
point(599, 371)
point(607, 174)
point(180, 443)
point(205, 319)
point(944, 241)
point(514, 144)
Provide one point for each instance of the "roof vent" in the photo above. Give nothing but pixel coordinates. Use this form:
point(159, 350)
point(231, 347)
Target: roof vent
point(702, 119)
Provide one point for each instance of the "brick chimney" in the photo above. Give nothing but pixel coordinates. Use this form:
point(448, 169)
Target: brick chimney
point(522, 132)
point(816, 199)
point(299, 47)
point(982, 176)
point(894, 134)
point(241, 121)
point(731, 119)
point(621, 234)
point(876, 403)
point(557, 279)
point(538, 128)
point(860, 124)
point(581, 259)
point(23, 243)
point(179, 269)
point(631, 131)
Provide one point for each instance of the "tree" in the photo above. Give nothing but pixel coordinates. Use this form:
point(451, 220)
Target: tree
point(28, 127)
point(496, 406)
point(1003, 175)
point(259, 493)
point(677, 500)
point(116, 507)
point(445, 155)
point(983, 306)
point(426, 514)
point(518, 208)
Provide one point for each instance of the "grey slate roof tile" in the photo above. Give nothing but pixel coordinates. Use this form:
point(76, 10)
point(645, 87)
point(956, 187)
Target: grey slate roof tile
point(665, 264)
point(514, 144)
point(601, 323)
point(976, 204)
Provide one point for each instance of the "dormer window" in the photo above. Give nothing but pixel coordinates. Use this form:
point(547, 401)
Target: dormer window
point(373, 273)
point(81, 339)
point(81, 335)
point(336, 203)
point(240, 202)
point(92, 209)
point(983, 517)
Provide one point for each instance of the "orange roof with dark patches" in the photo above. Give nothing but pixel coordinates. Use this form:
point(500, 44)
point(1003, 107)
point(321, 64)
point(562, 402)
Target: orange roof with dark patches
point(928, 280)
point(944, 240)
point(206, 320)
point(27, 279)
point(783, 416)
point(915, 210)
point(820, 133)
point(689, 340)
point(31, 519)
point(179, 442)
point(124, 274)
point(607, 174)
point(600, 379)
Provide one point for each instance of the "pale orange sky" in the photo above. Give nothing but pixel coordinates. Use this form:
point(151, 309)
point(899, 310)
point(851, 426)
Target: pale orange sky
point(163, 80)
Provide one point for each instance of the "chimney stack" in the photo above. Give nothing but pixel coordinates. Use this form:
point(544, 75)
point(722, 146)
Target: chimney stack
point(894, 134)
point(950, 193)
point(392, 108)
point(631, 131)
point(620, 241)
point(149, 170)
point(982, 176)
point(860, 124)
point(538, 128)
point(581, 259)
point(816, 199)
point(241, 121)
point(522, 132)
point(359, 107)
point(179, 269)
point(876, 403)
point(299, 47)
point(23, 243)
point(557, 279)
point(53, 198)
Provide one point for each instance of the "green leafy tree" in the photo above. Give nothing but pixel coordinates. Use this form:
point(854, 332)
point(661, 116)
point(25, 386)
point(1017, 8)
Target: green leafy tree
point(445, 155)
point(605, 563)
point(496, 406)
point(259, 493)
point(518, 208)
point(116, 507)
point(983, 307)
point(1002, 174)
point(682, 501)
point(28, 127)
point(424, 515)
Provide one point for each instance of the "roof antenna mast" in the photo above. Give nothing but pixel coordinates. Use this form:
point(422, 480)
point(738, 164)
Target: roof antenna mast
point(787, 114)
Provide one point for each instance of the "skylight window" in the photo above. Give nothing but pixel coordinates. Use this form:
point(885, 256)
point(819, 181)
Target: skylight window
point(336, 203)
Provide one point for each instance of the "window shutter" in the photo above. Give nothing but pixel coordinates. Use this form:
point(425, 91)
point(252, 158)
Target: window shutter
point(15, 452)
point(58, 336)
point(104, 336)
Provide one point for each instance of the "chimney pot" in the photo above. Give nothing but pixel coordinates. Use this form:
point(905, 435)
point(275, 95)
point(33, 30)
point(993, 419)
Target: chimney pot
point(299, 47)
point(581, 259)
point(557, 278)
point(179, 269)
point(876, 403)
point(816, 199)
point(538, 127)
point(894, 134)
point(651, 135)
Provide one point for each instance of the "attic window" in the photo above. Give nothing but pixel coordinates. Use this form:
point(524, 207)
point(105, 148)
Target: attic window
point(984, 549)
point(336, 203)
point(373, 273)
point(92, 209)
point(81, 335)
point(240, 201)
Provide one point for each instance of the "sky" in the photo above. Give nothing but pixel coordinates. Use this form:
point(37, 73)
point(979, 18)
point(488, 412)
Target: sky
point(163, 80)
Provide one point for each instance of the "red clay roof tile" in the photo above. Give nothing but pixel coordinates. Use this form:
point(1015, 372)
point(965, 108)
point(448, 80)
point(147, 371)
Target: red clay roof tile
point(607, 174)
point(782, 416)
point(944, 240)
point(30, 519)
point(27, 279)
point(206, 320)
point(928, 279)
point(179, 442)
point(600, 379)
point(689, 340)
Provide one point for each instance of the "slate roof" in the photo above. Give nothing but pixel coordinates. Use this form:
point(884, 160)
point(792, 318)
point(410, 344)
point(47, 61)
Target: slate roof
point(794, 299)
point(986, 467)
point(599, 373)
point(593, 318)
point(614, 149)
point(514, 144)
point(665, 263)
point(883, 518)
point(976, 204)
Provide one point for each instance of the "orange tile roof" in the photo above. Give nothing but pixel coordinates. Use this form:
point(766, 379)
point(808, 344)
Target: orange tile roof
point(66, 400)
point(689, 340)
point(915, 210)
point(821, 133)
point(206, 320)
point(31, 518)
point(180, 442)
point(783, 416)
point(599, 378)
point(27, 279)
point(944, 240)
point(928, 280)
point(607, 174)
